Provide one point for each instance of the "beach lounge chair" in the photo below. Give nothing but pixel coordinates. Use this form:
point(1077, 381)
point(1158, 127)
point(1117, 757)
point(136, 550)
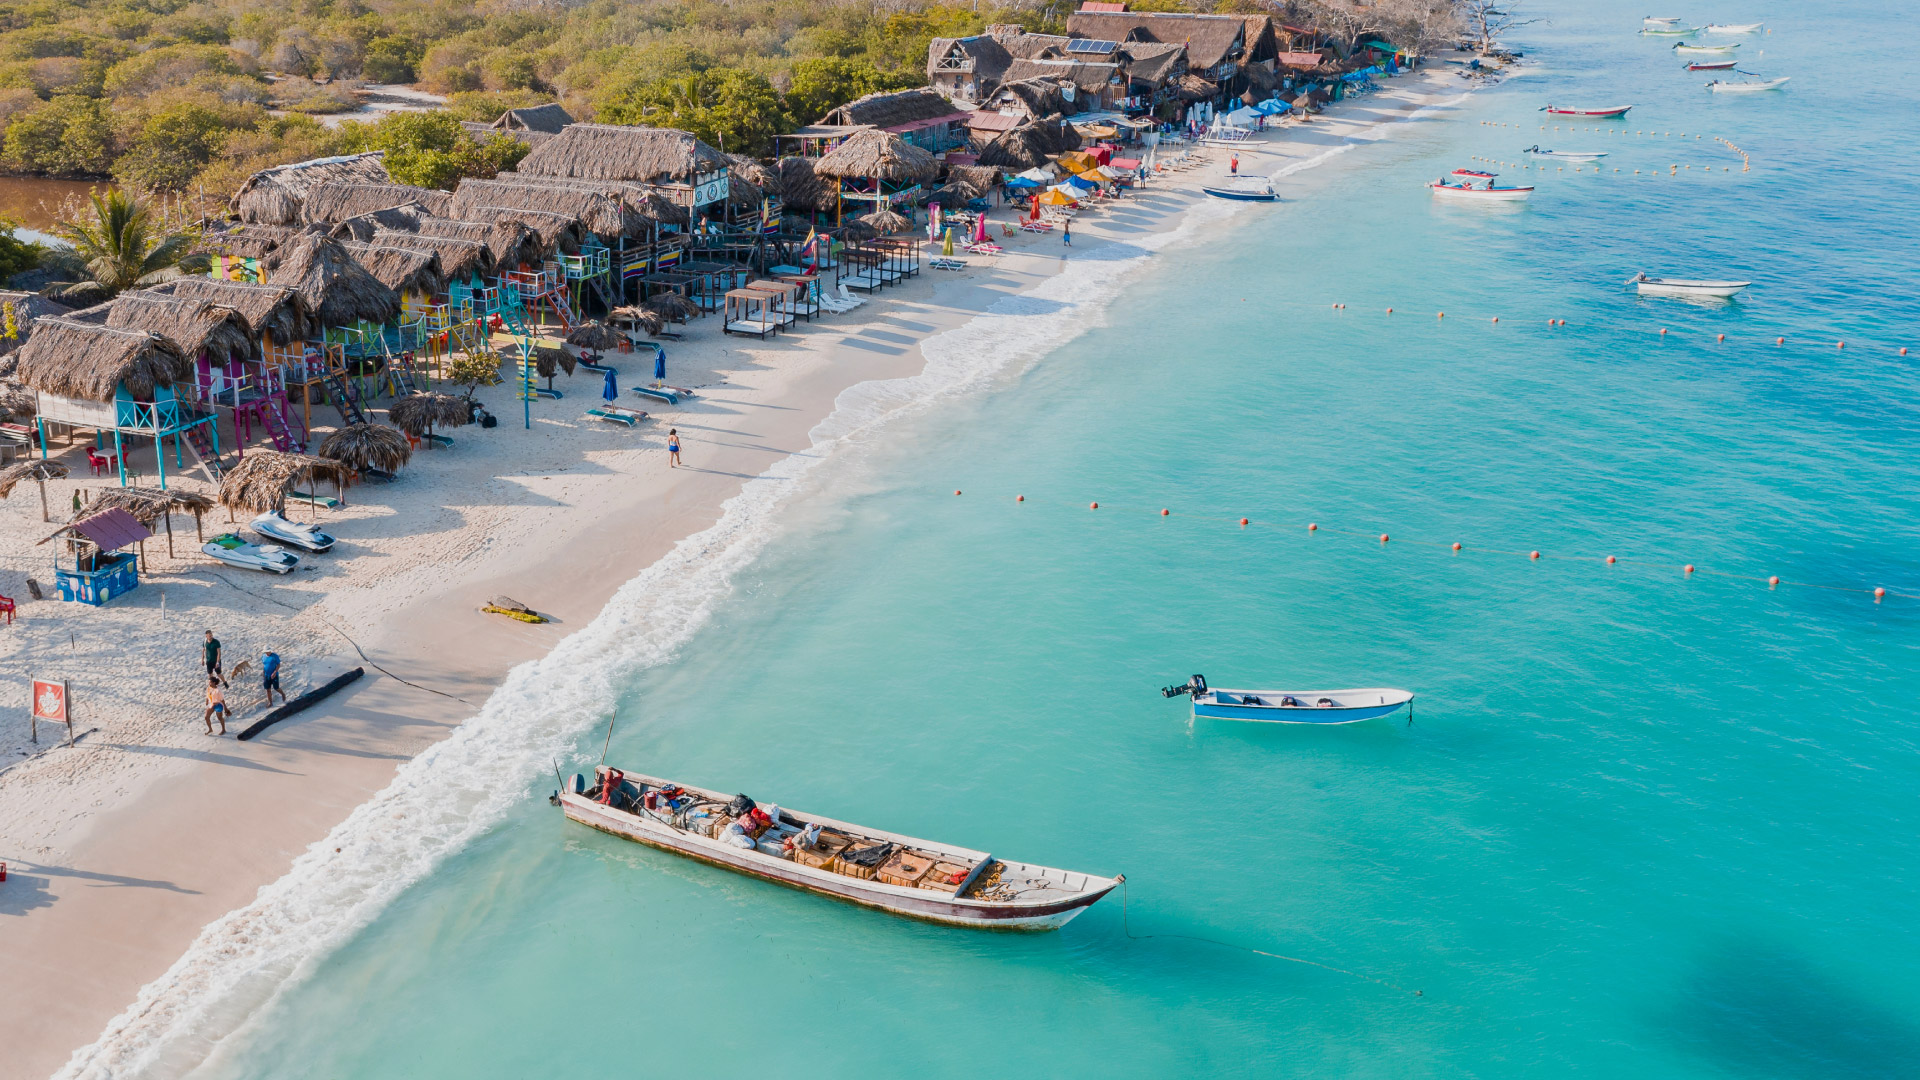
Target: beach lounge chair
point(615, 414)
point(956, 264)
point(324, 502)
point(658, 393)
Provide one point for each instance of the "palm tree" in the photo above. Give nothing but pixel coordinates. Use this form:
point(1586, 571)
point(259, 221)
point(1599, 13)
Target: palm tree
point(125, 246)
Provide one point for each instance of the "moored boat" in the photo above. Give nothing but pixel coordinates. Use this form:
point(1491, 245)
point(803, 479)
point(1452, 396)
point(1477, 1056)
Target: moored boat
point(903, 875)
point(1611, 110)
point(1721, 86)
point(1670, 31)
point(1660, 20)
point(1460, 187)
point(1736, 28)
point(1261, 192)
point(1705, 50)
point(1566, 155)
point(1291, 706)
point(1696, 287)
point(1711, 65)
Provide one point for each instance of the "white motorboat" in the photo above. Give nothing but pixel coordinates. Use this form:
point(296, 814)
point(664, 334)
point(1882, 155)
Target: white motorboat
point(1653, 286)
point(1656, 21)
point(1459, 188)
point(233, 551)
point(1292, 706)
point(1670, 31)
point(1739, 28)
point(1567, 155)
point(299, 534)
point(1705, 50)
point(1720, 86)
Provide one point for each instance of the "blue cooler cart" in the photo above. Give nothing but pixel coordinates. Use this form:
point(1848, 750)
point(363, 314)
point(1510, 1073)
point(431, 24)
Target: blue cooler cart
point(90, 567)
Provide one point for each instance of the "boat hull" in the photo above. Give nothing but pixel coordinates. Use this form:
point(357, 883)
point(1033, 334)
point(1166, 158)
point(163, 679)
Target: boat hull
point(1745, 88)
point(1715, 289)
point(1349, 711)
point(922, 904)
point(1457, 194)
point(1232, 195)
point(1616, 110)
point(1704, 50)
point(1568, 155)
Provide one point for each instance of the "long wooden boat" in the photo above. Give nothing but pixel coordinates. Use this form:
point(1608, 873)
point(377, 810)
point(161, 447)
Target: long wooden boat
point(1704, 50)
point(1653, 286)
point(904, 875)
point(1660, 20)
point(1711, 65)
point(1735, 28)
point(1670, 31)
point(1721, 86)
point(1291, 706)
point(1566, 155)
point(1611, 110)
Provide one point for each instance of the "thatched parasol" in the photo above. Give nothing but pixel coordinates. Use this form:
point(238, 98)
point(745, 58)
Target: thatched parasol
point(361, 447)
point(262, 479)
point(149, 505)
point(548, 360)
point(596, 335)
point(885, 221)
point(873, 154)
point(418, 414)
point(672, 306)
point(32, 469)
point(953, 196)
point(855, 230)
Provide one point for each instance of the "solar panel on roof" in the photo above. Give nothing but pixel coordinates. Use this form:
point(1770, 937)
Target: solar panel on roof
point(1088, 45)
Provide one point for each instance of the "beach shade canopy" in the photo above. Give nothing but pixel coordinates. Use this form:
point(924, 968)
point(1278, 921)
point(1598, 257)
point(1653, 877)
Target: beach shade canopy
point(1023, 182)
point(148, 505)
point(367, 446)
point(549, 360)
point(262, 479)
point(419, 414)
point(32, 469)
point(885, 221)
point(1081, 182)
point(672, 305)
point(873, 154)
point(1056, 198)
point(611, 391)
point(108, 530)
point(649, 318)
point(596, 335)
point(1036, 176)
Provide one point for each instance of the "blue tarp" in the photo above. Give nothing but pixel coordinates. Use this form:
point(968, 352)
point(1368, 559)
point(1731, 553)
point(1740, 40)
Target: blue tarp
point(1082, 183)
point(1021, 181)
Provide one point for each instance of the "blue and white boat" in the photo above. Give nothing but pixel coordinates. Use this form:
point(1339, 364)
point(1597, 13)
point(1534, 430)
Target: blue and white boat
point(1245, 191)
point(1292, 706)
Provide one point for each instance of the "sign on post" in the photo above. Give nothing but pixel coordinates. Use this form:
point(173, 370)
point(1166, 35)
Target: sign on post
point(50, 703)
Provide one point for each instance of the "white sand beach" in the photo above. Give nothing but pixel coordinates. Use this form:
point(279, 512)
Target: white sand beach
point(121, 849)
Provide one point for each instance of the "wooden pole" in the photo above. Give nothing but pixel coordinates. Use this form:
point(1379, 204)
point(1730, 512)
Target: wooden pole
point(169, 518)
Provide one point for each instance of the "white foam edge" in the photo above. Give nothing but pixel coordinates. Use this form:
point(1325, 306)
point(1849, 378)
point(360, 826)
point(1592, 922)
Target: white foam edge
point(467, 783)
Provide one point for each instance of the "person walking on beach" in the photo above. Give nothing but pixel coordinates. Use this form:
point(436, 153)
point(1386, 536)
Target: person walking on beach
point(1233, 165)
point(673, 447)
point(212, 651)
point(270, 676)
point(1066, 233)
point(216, 705)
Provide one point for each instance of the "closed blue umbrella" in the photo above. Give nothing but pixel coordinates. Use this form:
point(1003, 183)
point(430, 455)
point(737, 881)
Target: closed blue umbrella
point(612, 390)
point(659, 362)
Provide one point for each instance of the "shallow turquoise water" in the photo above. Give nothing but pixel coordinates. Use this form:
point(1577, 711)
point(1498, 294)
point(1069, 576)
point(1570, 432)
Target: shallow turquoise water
point(1640, 821)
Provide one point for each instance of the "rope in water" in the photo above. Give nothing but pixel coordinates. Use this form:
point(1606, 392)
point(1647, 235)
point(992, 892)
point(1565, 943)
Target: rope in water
point(1878, 593)
point(1780, 341)
point(1126, 927)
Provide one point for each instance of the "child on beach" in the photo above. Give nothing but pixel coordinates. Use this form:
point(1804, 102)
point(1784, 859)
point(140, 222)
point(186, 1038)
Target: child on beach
point(1066, 233)
point(216, 705)
point(1233, 166)
point(673, 447)
point(270, 675)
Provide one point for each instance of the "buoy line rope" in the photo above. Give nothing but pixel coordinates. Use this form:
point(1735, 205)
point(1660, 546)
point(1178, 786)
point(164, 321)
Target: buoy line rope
point(1798, 339)
point(1126, 928)
point(1878, 593)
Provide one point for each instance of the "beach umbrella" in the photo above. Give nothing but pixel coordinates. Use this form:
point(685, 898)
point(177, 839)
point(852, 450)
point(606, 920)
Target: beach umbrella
point(980, 228)
point(367, 446)
point(946, 246)
point(596, 335)
point(933, 221)
point(659, 362)
point(36, 470)
point(418, 414)
point(1056, 198)
point(611, 391)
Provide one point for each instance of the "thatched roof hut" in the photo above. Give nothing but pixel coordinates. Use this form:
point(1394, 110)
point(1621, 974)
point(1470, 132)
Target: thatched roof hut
point(547, 119)
point(147, 505)
point(755, 172)
point(741, 193)
point(618, 152)
point(25, 307)
point(872, 154)
point(1191, 87)
point(246, 241)
point(194, 326)
point(598, 211)
point(460, 260)
point(800, 187)
point(508, 243)
point(1030, 145)
point(274, 196)
point(90, 361)
point(554, 231)
point(330, 283)
point(262, 479)
point(885, 221)
point(273, 310)
point(402, 269)
point(361, 447)
point(338, 200)
point(981, 178)
point(894, 108)
point(16, 401)
point(419, 414)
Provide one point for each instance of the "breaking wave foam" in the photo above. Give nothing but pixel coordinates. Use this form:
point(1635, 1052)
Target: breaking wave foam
point(462, 786)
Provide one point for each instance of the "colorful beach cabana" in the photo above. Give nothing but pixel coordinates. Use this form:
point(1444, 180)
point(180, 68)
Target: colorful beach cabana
point(876, 168)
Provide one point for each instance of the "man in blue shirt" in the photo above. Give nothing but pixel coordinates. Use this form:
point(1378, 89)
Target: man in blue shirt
point(270, 675)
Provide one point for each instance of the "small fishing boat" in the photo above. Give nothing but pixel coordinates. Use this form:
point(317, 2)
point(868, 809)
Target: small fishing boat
point(1653, 286)
point(1291, 706)
point(301, 535)
point(1721, 86)
point(233, 551)
point(903, 875)
point(1566, 155)
point(1611, 110)
point(1705, 50)
point(1459, 187)
point(1739, 28)
point(1711, 65)
point(1657, 21)
point(1263, 192)
point(1671, 31)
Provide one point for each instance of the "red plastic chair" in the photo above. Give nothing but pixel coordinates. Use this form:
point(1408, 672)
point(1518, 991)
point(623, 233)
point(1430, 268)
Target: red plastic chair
point(6, 608)
point(102, 462)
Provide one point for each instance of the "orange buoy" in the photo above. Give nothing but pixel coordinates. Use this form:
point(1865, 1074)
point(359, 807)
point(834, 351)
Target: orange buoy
point(1383, 538)
point(1779, 341)
point(1442, 315)
point(1456, 545)
point(1496, 318)
point(1243, 521)
point(1019, 498)
point(1389, 311)
point(1772, 581)
point(1533, 555)
point(1663, 331)
point(1903, 350)
point(1093, 506)
point(1611, 560)
point(1839, 344)
point(1549, 322)
point(1311, 526)
point(1164, 511)
point(1722, 337)
point(1878, 593)
point(1689, 568)
point(956, 491)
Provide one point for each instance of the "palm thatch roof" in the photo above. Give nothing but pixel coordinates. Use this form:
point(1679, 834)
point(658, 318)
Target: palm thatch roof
point(953, 194)
point(982, 178)
point(892, 108)
point(800, 187)
point(401, 269)
point(261, 480)
point(273, 310)
point(17, 402)
point(673, 305)
point(460, 260)
point(418, 414)
point(1030, 145)
point(1209, 38)
point(330, 283)
point(338, 200)
point(554, 231)
point(878, 155)
point(548, 118)
point(548, 360)
point(885, 221)
point(508, 243)
point(855, 230)
point(31, 469)
point(194, 326)
point(598, 211)
point(597, 335)
point(755, 172)
point(246, 241)
point(90, 361)
point(26, 308)
point(367, 446)
point(274, 196)
point(147, 505)
point(617, 152)
point(647, 318)
point(741, 193)
point(1191, 87)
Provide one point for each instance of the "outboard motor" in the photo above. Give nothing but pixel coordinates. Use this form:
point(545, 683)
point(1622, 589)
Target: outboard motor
point(1195, 686)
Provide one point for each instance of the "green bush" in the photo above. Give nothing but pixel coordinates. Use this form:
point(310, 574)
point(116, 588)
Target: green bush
point(17, 255)
point(170, 65)
point(171, 148)
point(71, 136)
point(738, 111)
point(392, 59)
point(431, 149)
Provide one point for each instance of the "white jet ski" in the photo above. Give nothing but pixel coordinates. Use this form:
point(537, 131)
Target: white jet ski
point(233, 551)
point(299, 534)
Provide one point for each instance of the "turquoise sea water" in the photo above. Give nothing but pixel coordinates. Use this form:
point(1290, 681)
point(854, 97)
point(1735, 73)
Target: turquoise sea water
point(1640, 821)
